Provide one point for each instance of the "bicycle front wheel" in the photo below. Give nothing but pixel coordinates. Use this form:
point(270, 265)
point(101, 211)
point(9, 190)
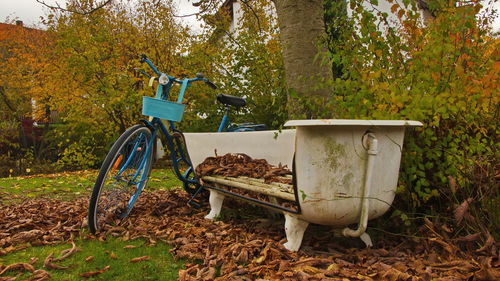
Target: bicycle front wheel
point(123, 175)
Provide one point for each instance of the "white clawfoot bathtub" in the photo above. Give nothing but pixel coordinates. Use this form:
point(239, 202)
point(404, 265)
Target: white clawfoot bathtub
point(346, 171)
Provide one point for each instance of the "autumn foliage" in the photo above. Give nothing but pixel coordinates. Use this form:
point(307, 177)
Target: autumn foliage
point(443, 72)
point(83, 71)
point(22, 57)
point(85, 75)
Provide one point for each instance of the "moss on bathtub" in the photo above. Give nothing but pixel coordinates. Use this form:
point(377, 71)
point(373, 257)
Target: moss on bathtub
point(347, 180)
point(334, 153)
point(336, 160)
point(303, 194)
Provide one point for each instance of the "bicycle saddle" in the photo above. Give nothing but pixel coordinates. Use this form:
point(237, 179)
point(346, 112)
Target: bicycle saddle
point(231, 100)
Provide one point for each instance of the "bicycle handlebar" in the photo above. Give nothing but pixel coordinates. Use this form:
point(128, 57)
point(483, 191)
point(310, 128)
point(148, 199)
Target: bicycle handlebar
point(142, 72)
point(145, 59)
point(199, 76)
point(210, 84)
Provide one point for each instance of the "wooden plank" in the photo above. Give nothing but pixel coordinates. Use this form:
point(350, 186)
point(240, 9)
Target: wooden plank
point(260, 182)
point(251, 200)
point(251, 186)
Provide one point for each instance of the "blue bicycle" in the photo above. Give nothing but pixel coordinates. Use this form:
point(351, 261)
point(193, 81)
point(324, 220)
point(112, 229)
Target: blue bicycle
point(125, 171)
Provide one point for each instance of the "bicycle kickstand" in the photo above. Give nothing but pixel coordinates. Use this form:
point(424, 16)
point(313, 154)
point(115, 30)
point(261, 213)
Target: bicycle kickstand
point(194, 203)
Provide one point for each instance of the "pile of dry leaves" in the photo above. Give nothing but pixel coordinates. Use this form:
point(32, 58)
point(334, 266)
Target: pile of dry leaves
point(239, 164)
point(245, 248)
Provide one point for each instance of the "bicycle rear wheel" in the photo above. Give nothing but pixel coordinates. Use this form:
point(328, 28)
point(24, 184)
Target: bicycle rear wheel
point(122, 177)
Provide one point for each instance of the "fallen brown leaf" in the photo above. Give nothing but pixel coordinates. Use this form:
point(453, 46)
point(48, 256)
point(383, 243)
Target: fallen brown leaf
point(447, 246)
point(18, 266)
point(263, 255)
point(487, 245)
point(94, 273)
point(39, 275)
point(470, 237)
point(48, 263)
point(138, 259)
point(11, 249)
point(226, 244)
point(210, 273)
point(67, 253)
point(390, 273)
point(460, 265)
point(487, 274)
point(242, 257)
point(239, 164)
point(461, 210)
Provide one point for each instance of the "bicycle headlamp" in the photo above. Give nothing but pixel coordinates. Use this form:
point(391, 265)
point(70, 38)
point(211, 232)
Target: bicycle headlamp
point(163, 79)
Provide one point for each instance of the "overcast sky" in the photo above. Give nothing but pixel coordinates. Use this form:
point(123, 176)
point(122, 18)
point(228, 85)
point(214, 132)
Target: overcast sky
point(29, 11)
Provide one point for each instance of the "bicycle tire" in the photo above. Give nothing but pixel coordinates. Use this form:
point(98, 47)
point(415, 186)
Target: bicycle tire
point(112, 200)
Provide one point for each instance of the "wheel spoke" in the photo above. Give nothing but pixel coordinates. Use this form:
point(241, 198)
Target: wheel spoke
point(118, 186)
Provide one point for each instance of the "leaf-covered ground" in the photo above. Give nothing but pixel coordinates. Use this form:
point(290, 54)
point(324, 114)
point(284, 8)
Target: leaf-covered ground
point(239, 246)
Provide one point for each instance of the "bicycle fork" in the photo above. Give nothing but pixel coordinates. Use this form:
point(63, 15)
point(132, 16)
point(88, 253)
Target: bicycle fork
point(145, 172)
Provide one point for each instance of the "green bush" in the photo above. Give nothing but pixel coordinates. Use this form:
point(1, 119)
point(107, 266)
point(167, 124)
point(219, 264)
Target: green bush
point(443, 73)
point(81, 145)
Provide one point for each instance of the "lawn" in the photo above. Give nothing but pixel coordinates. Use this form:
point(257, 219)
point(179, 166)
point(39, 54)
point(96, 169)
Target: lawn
point(92, 254)
point(69, 185)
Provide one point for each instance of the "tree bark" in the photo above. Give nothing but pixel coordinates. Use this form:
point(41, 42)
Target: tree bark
point(301, 32)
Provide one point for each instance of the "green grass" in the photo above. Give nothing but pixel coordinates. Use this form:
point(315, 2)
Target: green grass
point(160, 266)
point(66, 186)
point(163, 179)
point(72, 184)
point(61, 185)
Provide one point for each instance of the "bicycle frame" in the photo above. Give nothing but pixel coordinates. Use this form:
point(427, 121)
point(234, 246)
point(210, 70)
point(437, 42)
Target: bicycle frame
point(175, 145)
point(177, 155)
point(225, 121)
point(226, 126)
point(130, 160)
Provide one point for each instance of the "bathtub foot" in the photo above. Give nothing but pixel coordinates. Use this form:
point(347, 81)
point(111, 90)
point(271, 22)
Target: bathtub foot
point(365, 237)
point(294, 229)
point(216, 199)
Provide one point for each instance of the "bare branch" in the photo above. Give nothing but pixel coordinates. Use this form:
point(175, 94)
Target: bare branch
point(188, 15)
point(57, 6)
point(253, 12)
point(6, 100)
point(201, 11)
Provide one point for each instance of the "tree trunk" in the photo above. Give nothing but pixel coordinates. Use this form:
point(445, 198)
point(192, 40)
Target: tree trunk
point(301, 32)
